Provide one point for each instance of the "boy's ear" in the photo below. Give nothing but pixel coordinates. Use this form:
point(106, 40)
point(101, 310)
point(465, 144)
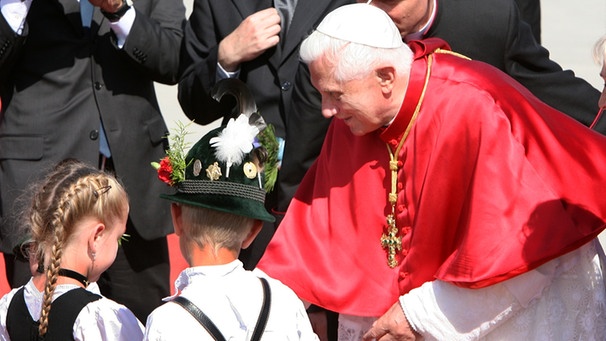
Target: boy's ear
point(254, 231)
point(177, 216)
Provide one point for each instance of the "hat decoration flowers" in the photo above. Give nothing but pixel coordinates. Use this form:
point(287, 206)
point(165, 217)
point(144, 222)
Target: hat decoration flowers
point(171, 168)
point(242, 137)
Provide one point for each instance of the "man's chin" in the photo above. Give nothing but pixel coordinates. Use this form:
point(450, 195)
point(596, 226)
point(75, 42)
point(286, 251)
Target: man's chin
point(358, 132)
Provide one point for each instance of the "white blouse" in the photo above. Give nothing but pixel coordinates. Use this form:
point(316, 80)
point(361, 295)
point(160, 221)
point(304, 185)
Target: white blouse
point(100, 320)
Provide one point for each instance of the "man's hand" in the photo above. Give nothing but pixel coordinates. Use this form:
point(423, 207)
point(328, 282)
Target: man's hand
point(391, 326)
point(109, 6)
point(257, 33)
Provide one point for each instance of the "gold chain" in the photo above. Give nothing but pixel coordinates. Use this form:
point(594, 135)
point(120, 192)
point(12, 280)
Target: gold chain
point(391, 240)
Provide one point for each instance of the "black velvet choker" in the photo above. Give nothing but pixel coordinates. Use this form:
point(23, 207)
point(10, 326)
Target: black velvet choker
point(74, 275)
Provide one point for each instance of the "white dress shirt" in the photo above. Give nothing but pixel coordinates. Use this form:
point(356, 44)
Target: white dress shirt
point(231, 297)
point(15, 13)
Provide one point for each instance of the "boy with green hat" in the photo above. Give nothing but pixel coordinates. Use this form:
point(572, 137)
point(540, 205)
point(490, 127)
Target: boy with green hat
point(218, 209)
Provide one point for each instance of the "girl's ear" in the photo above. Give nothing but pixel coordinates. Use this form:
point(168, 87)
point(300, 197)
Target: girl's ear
point(97, 233)
point(254, 231)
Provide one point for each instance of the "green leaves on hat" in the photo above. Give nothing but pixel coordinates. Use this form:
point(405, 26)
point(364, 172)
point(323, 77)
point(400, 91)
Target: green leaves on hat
point(267, 139)
point(171, 168)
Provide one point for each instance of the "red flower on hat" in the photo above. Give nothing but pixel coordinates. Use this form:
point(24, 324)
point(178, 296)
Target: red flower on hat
point(171, 168)
point(165, 171)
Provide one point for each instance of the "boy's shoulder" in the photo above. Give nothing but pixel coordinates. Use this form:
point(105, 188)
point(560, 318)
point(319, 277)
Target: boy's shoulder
point(275, 284)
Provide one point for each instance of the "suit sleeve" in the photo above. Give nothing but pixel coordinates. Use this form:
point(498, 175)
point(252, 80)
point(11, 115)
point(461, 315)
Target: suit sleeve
point(155, 38)
point(199, 61)
point(529, 63)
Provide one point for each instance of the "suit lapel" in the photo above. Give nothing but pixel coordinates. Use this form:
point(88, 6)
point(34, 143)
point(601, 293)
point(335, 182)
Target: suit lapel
point(303, 23)
point(247, 7)
point(71, 9)
point(96, 22)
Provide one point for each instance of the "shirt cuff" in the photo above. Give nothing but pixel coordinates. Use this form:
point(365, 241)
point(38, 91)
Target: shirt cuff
point(222, 74)
point(122, 27)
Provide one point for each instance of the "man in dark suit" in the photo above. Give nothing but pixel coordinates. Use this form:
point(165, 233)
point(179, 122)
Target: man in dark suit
point(82, 86)
point(530, 12)
point(486, 30)
point(257, 42)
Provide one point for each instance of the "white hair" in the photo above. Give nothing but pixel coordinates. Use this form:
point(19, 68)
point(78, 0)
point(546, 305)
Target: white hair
point(353, 60)
point(599, 51)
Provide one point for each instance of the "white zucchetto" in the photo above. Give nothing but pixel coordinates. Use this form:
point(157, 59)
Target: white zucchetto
point(362, 24)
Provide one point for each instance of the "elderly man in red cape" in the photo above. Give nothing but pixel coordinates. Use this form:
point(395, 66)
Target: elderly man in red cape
point(447, 202)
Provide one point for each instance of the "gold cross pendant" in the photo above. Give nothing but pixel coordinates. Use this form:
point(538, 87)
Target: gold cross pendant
point(391, 241)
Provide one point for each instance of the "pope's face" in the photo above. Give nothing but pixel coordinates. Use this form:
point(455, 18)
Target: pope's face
point(360, 103)
point(408, 15)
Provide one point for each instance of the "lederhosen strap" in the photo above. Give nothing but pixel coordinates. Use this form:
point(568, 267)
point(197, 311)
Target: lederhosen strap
point(210, 326)
point(61, 318)
point(264, 314)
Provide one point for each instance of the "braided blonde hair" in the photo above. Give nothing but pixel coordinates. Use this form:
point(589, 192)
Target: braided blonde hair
point(72, 191)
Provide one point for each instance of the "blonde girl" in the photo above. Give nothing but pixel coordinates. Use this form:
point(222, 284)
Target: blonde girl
point(76, 221)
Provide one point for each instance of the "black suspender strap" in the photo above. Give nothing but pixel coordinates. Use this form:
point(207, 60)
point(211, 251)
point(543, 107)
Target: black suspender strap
point(264, 314)
point(210, 326)
point(200, 316)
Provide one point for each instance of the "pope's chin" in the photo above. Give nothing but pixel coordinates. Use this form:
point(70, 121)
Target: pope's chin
point(357, 129)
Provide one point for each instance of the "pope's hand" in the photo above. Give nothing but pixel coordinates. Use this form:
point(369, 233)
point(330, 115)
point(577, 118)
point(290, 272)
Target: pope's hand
point(257, 33)
point(391, 326)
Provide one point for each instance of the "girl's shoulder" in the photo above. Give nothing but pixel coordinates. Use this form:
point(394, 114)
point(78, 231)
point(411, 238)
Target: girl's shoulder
point(108, 320)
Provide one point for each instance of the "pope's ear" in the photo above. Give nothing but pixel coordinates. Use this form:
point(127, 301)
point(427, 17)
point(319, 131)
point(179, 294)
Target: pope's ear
point(386, 76)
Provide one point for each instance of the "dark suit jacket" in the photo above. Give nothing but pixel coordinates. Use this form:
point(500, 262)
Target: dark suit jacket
point(486, 30)
point(269, 77)
point(58, 79)
point(530, 12)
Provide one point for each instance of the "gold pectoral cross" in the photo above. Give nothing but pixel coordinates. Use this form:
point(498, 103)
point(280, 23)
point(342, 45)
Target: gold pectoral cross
point(391, 241)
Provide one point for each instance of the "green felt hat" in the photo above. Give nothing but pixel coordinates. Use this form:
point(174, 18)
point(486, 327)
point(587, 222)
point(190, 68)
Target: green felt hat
point(225, 172)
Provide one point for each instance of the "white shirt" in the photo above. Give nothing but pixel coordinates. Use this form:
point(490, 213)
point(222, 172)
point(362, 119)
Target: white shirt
point(15, 13)
point(564, 299)
point(231, 297)
point(100, 320)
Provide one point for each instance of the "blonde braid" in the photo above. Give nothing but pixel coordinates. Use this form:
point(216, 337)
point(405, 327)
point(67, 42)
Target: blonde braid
point(51, 283)
point(66, 212)
point(73, 190)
